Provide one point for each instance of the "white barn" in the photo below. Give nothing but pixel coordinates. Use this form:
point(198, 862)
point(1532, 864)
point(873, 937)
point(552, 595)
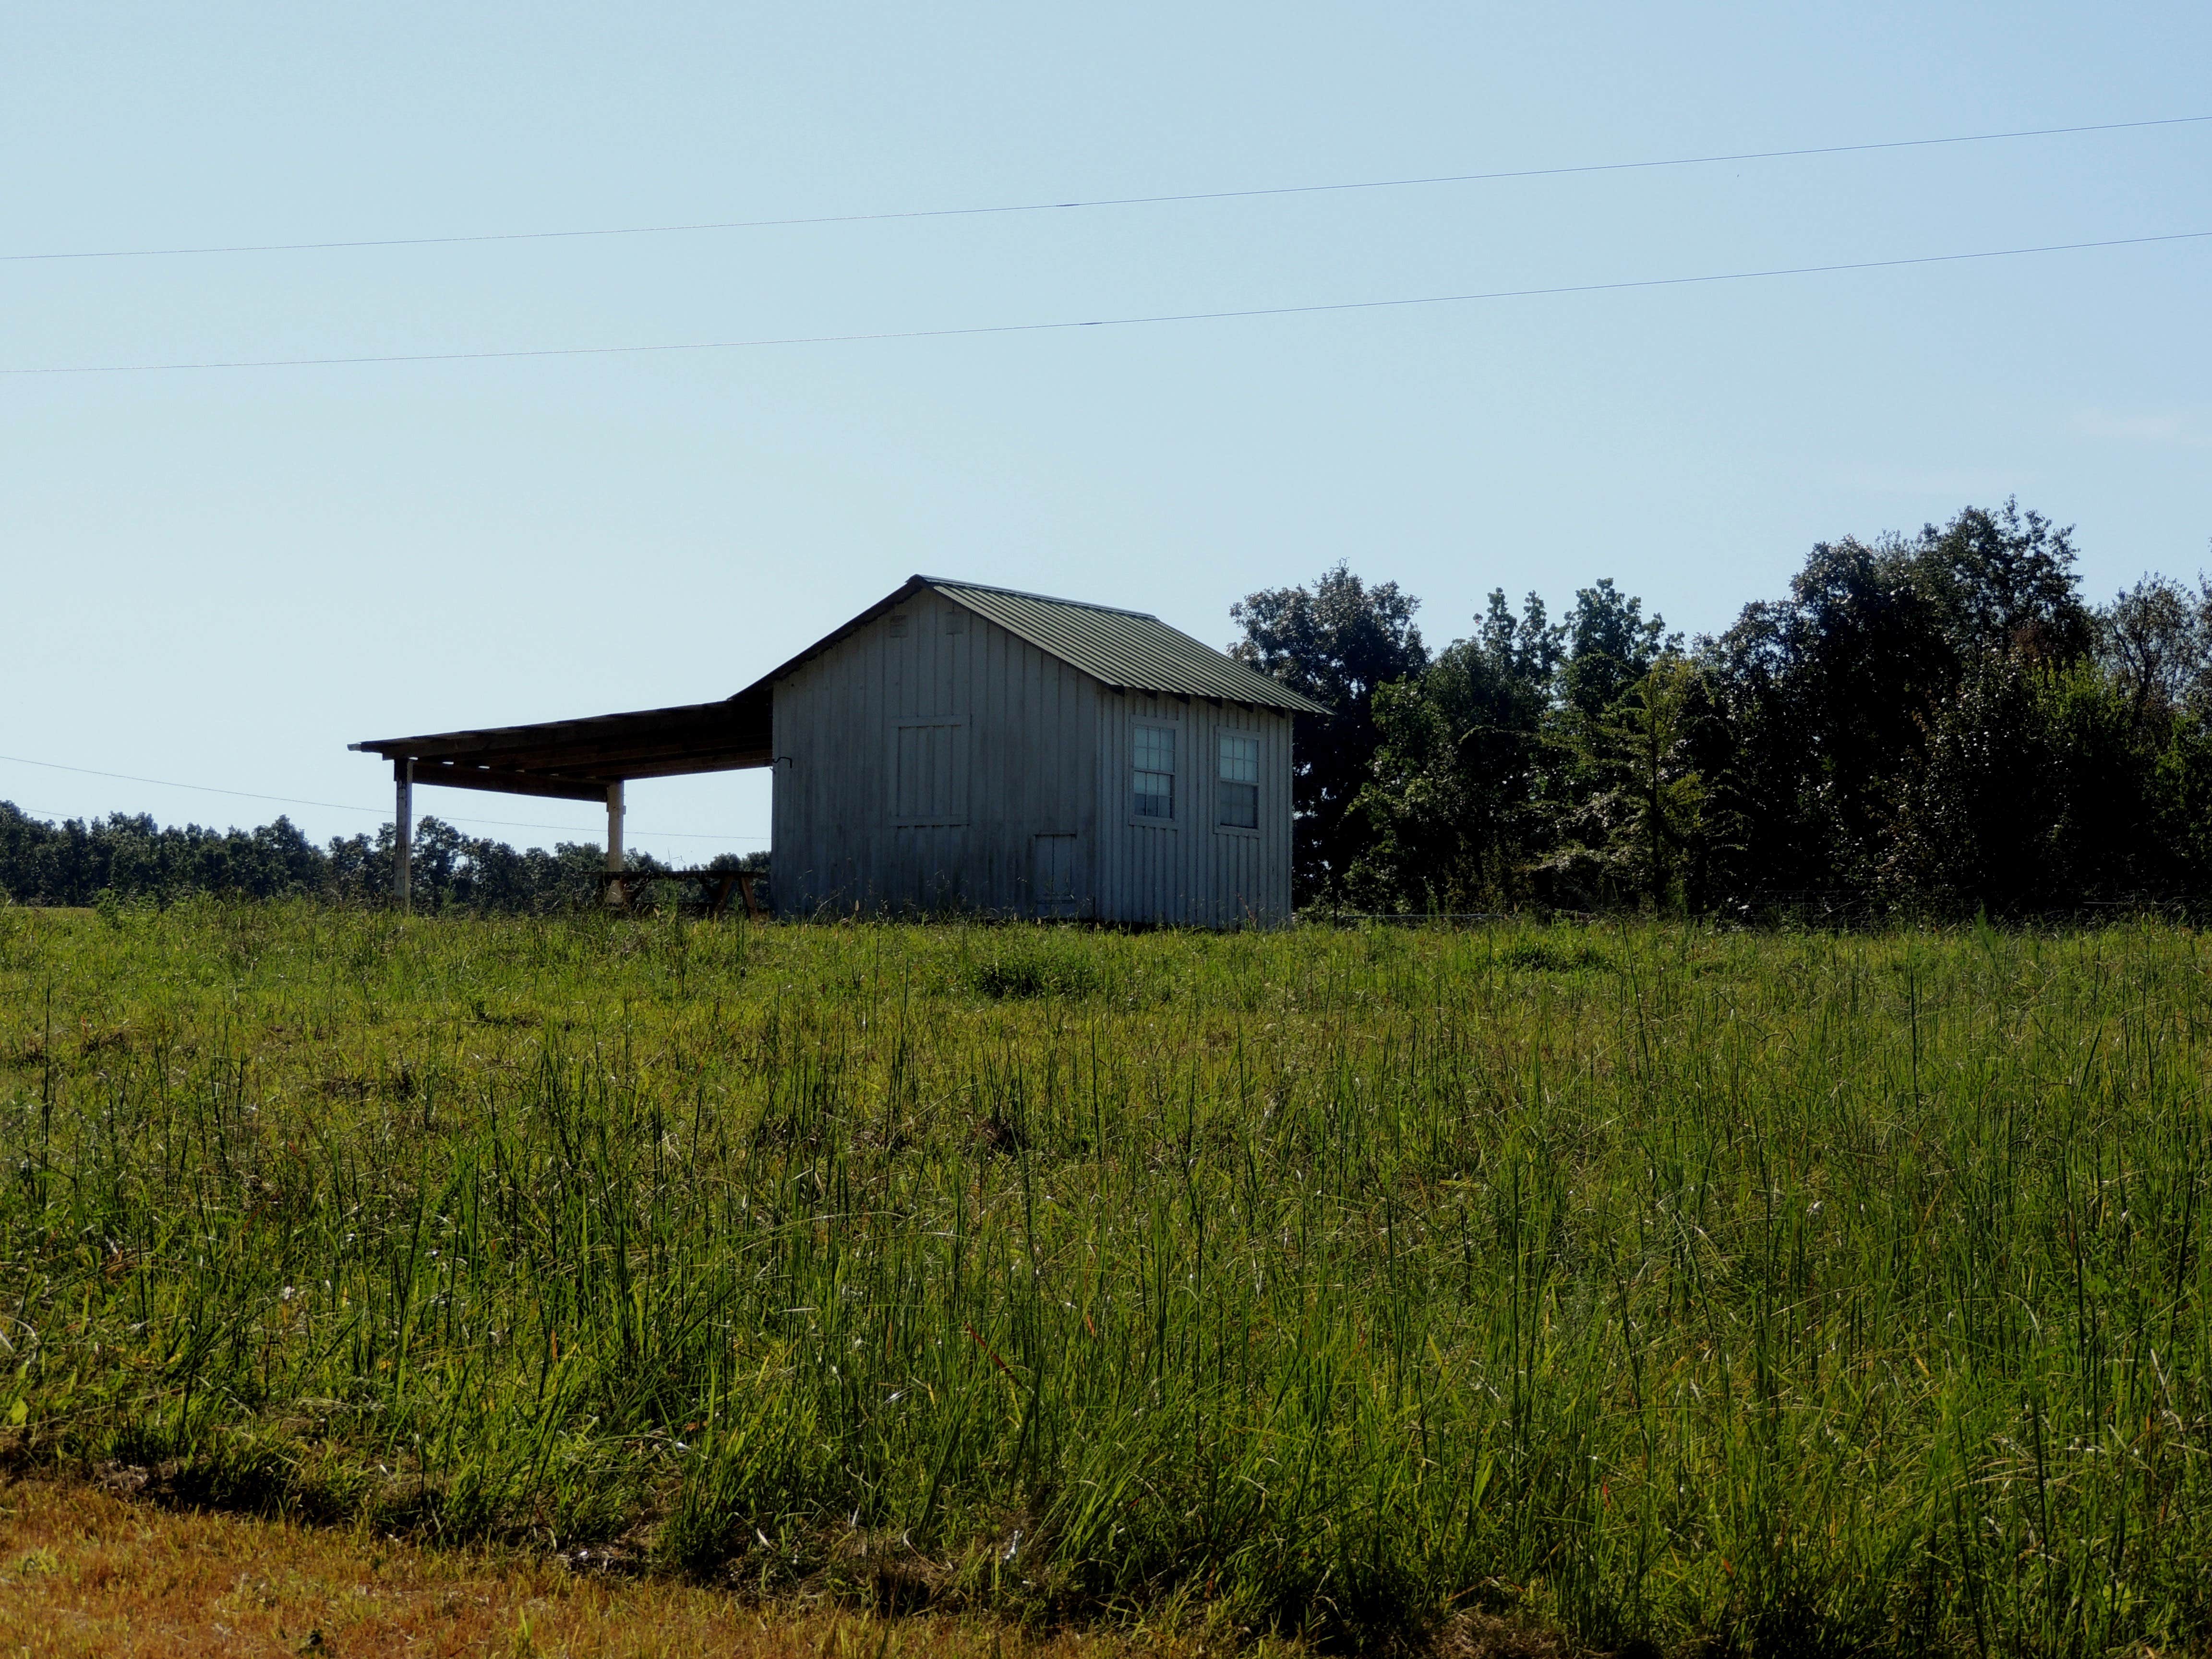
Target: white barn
point(957, 747)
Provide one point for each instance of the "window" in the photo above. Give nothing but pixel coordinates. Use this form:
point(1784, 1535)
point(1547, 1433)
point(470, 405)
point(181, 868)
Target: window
point(1153, 748)
point(929, 772)
point(1240, 781)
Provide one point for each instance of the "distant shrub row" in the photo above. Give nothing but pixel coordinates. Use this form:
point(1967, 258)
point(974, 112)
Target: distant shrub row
point(127, 857)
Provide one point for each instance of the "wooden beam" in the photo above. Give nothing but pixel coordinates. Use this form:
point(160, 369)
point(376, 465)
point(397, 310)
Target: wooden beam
point(605, 753)
point(507, 783)
point(580, 784)
point(724, 760)
point(403, 833)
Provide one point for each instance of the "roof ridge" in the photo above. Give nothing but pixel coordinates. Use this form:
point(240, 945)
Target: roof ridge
point(1042, 599)
point(1123, 658)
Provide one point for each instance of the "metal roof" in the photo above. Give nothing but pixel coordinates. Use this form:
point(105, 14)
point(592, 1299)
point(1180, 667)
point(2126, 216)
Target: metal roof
point(1130, 650)
point(577, 759)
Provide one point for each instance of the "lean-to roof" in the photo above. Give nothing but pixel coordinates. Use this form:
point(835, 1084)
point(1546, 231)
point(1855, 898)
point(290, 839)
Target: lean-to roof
point(577, 759)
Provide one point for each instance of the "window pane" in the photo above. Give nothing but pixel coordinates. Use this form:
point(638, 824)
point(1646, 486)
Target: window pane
point(1155, 749)
point(1152, 747)
point(1240, 781)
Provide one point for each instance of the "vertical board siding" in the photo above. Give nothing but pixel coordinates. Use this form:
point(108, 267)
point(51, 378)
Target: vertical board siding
point(1196, 873)
point(1019, 762)
point(1039, 749)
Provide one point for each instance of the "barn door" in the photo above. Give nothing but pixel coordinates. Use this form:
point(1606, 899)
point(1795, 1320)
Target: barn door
point(1055, 888)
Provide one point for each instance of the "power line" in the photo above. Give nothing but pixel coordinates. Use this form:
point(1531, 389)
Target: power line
point(1001, 208)
point(166, 783)
point(343, 806)
point(1113, 322)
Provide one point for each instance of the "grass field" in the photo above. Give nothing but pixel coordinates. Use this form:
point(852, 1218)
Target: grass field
point(1647, 1284)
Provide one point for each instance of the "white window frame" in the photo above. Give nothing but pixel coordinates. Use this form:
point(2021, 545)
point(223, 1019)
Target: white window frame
point(1222, 734)
point(1177, 795)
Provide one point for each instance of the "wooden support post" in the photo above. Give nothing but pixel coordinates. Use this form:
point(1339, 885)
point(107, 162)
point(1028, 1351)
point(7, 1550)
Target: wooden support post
point(617, 894)
point(403, 833)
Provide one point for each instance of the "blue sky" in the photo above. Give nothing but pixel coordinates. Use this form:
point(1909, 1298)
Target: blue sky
point(222, 578)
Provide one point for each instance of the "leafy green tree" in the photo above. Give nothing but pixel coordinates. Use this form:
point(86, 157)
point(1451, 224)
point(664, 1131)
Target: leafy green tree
point(1827, 695)
point(2156, 639)
point(2183, 803)
point(2043, 790)
point(1834, 698)
point(1610, 645)
point(1575, 853)
point(1633, 828)
point(1338, 642)
point(1445, 817)
point(1648, 734)
point(1973, 830)
point(2005, 584)
point(1937, 720)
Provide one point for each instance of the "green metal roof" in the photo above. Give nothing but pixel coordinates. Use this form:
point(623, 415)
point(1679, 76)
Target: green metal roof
point(1130, 649)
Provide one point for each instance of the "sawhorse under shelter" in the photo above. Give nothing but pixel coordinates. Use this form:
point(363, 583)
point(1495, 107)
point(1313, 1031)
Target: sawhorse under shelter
point(620, 887)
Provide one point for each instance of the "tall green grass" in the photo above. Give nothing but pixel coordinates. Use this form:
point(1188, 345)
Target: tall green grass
point(1796, 1293)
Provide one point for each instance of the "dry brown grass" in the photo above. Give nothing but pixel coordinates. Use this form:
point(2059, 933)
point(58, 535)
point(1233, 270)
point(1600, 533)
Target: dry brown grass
point(83, 1572)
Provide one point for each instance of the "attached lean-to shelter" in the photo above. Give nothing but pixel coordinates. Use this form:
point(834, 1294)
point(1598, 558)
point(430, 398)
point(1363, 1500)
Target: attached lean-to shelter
point(959, 747)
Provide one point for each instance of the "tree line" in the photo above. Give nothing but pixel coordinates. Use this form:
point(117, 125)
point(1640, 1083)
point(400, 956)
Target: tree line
point(1938, 723)
point(127, 858)
point(1932, 724)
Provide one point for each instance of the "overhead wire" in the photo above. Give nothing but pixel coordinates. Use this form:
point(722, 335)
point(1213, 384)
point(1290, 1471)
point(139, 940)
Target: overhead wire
point(347, 806)
point(1133, 321)
point(971, 331)
point(1168, 198)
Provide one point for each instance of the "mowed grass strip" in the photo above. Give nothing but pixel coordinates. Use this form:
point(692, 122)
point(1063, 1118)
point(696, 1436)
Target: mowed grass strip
point(1643, 1283)
point(86, 1576)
